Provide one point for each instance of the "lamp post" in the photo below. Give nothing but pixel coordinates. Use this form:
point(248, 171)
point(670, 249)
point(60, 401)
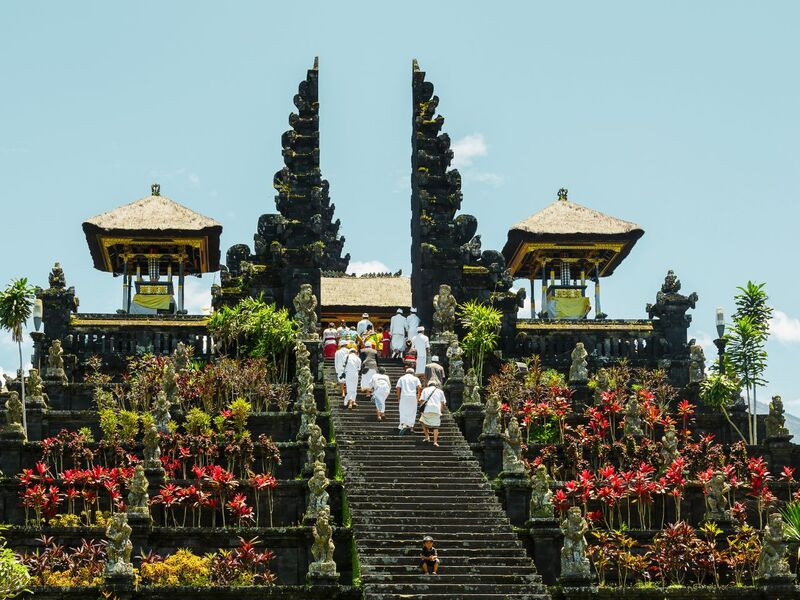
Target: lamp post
point(720, 342)
point(38, 311)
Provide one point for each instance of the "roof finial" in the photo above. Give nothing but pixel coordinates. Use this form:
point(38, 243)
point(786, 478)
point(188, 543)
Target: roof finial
point(155, 189)
point(316, 63)
point(562, 194)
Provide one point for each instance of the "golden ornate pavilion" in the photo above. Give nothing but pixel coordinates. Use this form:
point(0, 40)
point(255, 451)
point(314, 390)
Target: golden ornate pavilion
point(153, 240)
point(564, 245)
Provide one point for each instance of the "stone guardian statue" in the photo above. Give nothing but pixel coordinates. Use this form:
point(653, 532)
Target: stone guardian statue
point(444, 311)
point(512, 449)
point(119, 547)
point(574, 562)
point(305, 306)
point(323, 548)
point(318, 497)
point(773, 564)
point(541, 506)
point(578, 371)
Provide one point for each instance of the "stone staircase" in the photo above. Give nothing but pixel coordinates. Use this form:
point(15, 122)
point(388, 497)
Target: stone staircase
point(400, 489)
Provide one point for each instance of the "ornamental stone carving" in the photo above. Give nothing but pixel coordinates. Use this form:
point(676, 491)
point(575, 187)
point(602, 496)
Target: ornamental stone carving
point(13, 427)
point(697, 364)
point(716, 490)
point(161, 414)
point(444, 311)
point(578, 371)
point(137, 494)
point(574, 562)
point(491, 419)
point(305, 306)
point(119, 547)
point(772, 563)
point(318, 497)
point(541, 505)
point(472, 391)
point(776, 420)
point(152, 451)
point(512, 449)
point(633, 417)
point(455, 360)
point(323, 547)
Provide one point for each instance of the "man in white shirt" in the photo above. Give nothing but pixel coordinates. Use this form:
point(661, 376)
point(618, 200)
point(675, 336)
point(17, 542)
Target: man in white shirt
point(381, 386)
point(432, 400)
point(362, 325)
point(397, 329)
point(412, 322)
point(408, 388)
point(352, 368)
point(338, 362)
point(421, 345)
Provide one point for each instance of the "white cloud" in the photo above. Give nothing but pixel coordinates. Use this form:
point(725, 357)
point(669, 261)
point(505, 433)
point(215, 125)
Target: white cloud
point(359, 267)
point(467, 148)
point(785, 328)
point(197, 296)
point(488, 178)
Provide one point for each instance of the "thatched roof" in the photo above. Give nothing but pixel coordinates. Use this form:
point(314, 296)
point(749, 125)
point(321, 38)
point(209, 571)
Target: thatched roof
point(564, 217)
point(375, 292)
point(153, 213)
point(153, 220)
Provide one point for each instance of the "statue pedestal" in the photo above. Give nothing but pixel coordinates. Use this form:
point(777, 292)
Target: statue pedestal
point(12, 433)
point(473, 421)
point(454, 392)
point(317, 576)
point(780, 450)
point(55, 374)
point(777, 586)
point(121, 586)
point(581, 396)
point(139, 519)
point(492, 454)
point(516, 492)
point(547, 541)
point(35, 417)
point(577, 584)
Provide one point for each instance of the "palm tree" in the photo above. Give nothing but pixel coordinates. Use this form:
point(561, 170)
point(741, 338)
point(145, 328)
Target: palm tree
point(16, 306)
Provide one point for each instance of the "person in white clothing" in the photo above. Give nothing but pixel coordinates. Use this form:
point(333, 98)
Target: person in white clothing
point(381, 386)
point(421, 345)
point(370, 363)
point(408, 391)
point(338, 363)
point(352, 367)
point(432, 401)
point(412, 322)
point(361, 326)
point(397, 329)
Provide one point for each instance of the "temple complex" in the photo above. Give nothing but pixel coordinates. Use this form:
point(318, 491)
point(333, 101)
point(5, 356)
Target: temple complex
point(215, 457)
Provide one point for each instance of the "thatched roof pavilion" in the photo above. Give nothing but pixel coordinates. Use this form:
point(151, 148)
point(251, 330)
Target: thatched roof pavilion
point(563, 244)
point(158, 237)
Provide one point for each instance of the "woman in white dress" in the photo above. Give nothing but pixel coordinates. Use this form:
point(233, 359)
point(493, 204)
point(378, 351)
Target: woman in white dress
point(408, 390)
point(381, 386)
point(352, 368)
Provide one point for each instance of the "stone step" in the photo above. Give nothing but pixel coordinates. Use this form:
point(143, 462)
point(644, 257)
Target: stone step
point(380, 595)
point(427, 584)
point(460, 561)
point(463, 556)
point(446, 577)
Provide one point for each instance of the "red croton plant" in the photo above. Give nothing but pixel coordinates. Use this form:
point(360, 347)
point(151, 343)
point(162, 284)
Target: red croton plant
point(634, 484)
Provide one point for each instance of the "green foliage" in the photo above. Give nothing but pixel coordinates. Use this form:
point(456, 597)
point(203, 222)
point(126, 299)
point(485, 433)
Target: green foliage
point(108, 424)
point(16, 306)
point(86, 434)
point(198, 422)
point(128, 426)
point(482, 323)
point(240, 411)
point(719, 391)
point(552, 378)
point(544, 433)
point(14, 577)
point(255, 329)
point(791, 521)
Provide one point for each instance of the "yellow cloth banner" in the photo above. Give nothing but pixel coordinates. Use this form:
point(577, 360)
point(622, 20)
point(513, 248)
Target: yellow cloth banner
point(153, 301)
point(569, 308)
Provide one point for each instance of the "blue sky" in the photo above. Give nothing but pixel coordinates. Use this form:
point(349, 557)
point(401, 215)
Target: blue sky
point(681, 116)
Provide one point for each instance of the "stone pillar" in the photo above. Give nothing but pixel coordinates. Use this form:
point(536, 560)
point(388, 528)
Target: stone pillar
point(492, 454)
point(454, 392)
point(547, 541)
point(473, 414)
point(515, 489)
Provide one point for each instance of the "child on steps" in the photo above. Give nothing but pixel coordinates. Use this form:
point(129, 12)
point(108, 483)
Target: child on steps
point(429, 561)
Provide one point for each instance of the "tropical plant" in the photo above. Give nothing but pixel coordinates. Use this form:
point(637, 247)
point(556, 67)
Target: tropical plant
point(718, 391)
point(14, 576)
point(482, 323)
point(16, 306)
point(746, 354)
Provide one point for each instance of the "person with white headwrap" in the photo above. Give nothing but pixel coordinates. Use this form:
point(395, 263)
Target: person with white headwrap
point(408, 389)
point(370, 363)
point(397, 329)
point(352, 367)
point(434, 372)
point(421, 345)
point(412, 322)
point(362, 325)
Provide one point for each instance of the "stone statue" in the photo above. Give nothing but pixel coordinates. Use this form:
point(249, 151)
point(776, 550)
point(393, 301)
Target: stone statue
point(455, 360)
point(169, 381)
point(318, 498)
point(316, 445)
point(444, 311)
point(36, 395)
point(152, 451)
point(181, 356)
point(161, 415)
point(491, 419)
point(574, 562)
point(578, 371)
point(472, 390)
point(776, 420)
point(305, 391)
point(305, 306)
point(772, 563)
point(55, 361)
point(541, 505)
point(716, 490)
point(697, 364)
point(602, 384)
point(119, 547)
point(56, 278)
point(512, 449)
point(13, 427)
point(633, 417)
point(137, 493)
point(669, 446)
point(322, 549)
